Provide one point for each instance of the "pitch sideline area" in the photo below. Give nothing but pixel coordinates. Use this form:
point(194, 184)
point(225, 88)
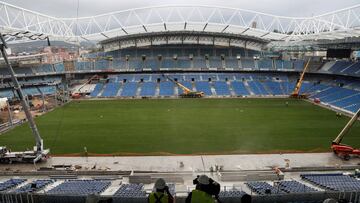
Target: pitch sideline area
point(184, 127)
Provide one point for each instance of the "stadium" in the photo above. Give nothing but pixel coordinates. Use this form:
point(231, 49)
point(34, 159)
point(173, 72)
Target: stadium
point(265, 105)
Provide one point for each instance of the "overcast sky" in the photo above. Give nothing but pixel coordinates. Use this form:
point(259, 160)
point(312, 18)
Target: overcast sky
point(67, 8)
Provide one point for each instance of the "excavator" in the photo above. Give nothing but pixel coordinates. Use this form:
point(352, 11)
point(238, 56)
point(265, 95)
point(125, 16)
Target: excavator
point(187, 93)
point(342, 150)
point(296, 93)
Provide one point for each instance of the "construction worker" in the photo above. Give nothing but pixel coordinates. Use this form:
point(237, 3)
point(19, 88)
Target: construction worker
point(161, 194)
point(202, 192)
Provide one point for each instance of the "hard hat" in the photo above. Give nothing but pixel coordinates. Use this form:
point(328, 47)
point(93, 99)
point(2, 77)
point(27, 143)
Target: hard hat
point(204, 180)
point(160, 184)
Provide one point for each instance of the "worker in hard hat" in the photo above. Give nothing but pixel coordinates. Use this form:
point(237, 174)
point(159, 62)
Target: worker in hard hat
point(161, 193)
point(206, 191)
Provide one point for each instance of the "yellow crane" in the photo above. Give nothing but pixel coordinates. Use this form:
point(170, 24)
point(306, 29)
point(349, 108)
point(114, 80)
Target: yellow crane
point(295, 93)
point(187, 93)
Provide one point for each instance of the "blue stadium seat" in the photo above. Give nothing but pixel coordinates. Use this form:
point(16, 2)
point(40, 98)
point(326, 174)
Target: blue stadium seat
point(80, 187)
point(335, 181)
point(130, 190)
point(248, 63)
point(239, 88)
point(97, 90)
point(166, 88)
point(33, 186)
point(111, 90)
point(221, 88)
point(148, 89)
point(129, 89)
point(203, 87)
point(59, 67)
point(9, 184)
point(295, 187)
point(261, 188)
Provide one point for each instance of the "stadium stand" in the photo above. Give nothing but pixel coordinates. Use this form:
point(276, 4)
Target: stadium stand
point(130, 190)
point(33, 186)
point(293, 186)
point(232, 63)
point(335, 181)
point(203, 87)
point(263, 188)
point(111, 90)
point(9, 184)
point(346, 97)
point(129, 89)
point(148, 89)
point(265, 64)
point(80, 187)
point(221, 88)
point(59, 67)
point(97, 90)
point(248, 64)
point(240, 88)
point(166, 88)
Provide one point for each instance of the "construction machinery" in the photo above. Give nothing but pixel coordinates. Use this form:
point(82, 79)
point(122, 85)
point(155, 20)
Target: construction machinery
point(76, 94)
point(296, 92)
point(187, 93)
point(342, 150)
point(38, 153)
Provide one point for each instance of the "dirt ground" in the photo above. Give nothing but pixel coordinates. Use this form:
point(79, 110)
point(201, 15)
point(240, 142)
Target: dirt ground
point(36, 109)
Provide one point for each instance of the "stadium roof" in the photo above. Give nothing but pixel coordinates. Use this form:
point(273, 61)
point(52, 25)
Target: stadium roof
point(22, 24)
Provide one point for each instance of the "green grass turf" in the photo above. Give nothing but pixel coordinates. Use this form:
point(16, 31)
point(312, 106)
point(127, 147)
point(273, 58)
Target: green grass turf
point(185, 126)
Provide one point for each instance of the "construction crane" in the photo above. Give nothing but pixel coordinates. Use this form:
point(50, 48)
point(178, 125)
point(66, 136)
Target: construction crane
point(38, 153)
point(296, 92)
point(342, 150)
point(77, 93)
point(187, 93)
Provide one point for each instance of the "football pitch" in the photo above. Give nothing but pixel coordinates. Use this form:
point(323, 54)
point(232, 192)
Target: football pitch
point(185, 126)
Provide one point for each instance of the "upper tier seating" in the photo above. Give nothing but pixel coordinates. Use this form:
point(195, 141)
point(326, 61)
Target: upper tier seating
point(265, 64)
point(215, 63)
point(83, 66)
point(232, 63)
point(199, 63)
point(23, 70)
point(247, 63)
point(59, 67)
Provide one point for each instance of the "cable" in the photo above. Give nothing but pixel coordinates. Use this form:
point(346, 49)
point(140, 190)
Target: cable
point(58, 127)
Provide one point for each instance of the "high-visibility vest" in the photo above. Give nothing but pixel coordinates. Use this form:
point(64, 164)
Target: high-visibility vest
point(158, 197)
point(199, 196)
